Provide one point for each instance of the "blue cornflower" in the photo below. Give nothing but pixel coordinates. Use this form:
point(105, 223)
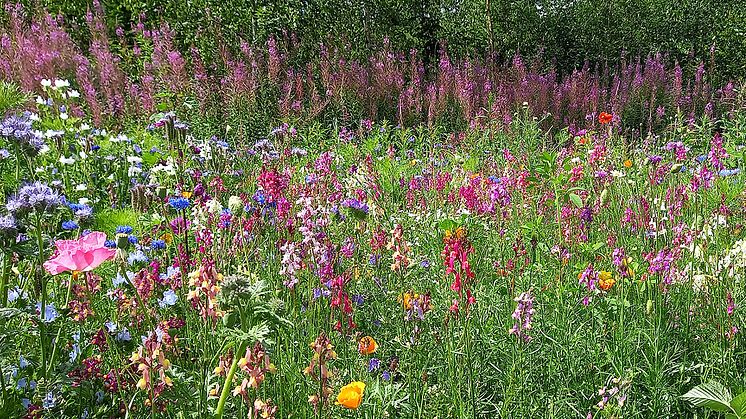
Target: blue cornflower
point(373, 364)
point(178, 203)
point(70, 225)
point(157, 244)
point(132, 239)
point(110, 244)
point(124, 229)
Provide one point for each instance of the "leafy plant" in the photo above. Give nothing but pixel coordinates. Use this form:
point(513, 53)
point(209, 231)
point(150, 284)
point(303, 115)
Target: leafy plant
point(715, 396)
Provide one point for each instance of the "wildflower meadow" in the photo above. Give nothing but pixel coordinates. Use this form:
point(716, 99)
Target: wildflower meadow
point(259, 234)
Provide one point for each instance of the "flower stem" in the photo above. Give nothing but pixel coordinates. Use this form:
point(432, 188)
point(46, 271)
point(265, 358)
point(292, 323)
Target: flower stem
point(4, 280)
point(227, 385)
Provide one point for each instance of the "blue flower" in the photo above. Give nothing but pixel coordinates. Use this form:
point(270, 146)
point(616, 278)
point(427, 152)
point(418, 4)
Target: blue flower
point(169, 299)
point(132, 239)
point(70, 225)
point(157, 244)
point(729, 172)
point(75, 352)
point(178, 203)
point(373, 364)
point(49, 401)
point(110, 244)
point(124, 230)
point(386, 375)
point(50, 312)
point(124, 335)
point(137, 257)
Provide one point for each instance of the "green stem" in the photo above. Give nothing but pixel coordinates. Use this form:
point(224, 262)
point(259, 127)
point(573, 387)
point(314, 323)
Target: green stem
point(227, 386)
point(4, 280)
point(43, 304)
point(59, 330)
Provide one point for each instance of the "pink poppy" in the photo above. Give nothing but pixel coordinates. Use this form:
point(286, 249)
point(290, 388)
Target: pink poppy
point(82, 255)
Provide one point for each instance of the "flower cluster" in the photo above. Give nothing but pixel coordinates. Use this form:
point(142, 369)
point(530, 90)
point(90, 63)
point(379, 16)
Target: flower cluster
point(523, 316)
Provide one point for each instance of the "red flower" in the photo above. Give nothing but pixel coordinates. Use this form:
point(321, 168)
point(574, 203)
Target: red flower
point(604, 118)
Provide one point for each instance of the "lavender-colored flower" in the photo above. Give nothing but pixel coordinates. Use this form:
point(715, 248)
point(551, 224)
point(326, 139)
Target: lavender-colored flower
point(374, 364)
point(34, 197)
point(523, 316)
point(8, 226)
point(18, 129)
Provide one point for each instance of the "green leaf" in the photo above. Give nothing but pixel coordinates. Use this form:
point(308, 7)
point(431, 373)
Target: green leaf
point(711, 395)
point(739, 404)
point(576, 200)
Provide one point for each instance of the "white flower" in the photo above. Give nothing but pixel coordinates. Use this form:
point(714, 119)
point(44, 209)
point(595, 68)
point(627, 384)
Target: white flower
point(63, 116)
point(61, 83)
point(133, 159)
point(84, 127)
point(46, 83)
point(83, 155)
point(235, 204)
point(73, 93)
point(40, 100)
point(67, 160)
point(81, 187)
point(214, 206)
point(83, 201)
point(133, 171)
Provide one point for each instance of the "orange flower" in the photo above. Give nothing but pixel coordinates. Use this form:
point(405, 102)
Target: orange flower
point(628, 163)
point(605, 280)
point(604, 118)
point(351, 395)
point(186, 194)
point(367, 346)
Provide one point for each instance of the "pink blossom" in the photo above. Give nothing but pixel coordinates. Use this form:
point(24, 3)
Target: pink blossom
point(82, 255)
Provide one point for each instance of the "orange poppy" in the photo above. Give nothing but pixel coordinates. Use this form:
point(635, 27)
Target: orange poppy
point(605, 280)
point(367, 346)
point(604, 118)
point(351, 395)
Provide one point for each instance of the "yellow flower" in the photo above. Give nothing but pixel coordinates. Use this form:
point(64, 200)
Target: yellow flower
point(351, 395)
point(141, 384)
point(186, 194)
point(367, 346)
point(628, 163)
point(605, 280)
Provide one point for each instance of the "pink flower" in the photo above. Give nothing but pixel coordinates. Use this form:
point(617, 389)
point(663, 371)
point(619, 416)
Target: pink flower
point(82, 255)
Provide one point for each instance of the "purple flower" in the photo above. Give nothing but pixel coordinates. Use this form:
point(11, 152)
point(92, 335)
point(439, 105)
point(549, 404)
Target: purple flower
point(523, 316)
point(374, 364)
point(35, 197)
point(18, 129)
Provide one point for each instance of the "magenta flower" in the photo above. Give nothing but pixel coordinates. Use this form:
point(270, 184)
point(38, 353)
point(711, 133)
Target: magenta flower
point(82, 255)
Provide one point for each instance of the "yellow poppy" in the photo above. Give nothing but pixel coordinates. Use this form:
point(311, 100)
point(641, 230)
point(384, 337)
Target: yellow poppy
point(351, 395)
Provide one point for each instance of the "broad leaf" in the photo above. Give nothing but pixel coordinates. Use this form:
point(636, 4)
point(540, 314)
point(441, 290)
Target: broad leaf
point(711, 395)
point(576, 200)
point(739, 404)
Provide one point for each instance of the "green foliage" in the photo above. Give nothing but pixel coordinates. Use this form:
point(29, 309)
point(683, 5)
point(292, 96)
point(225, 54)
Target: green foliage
point(567, 32)
point(11, 97)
